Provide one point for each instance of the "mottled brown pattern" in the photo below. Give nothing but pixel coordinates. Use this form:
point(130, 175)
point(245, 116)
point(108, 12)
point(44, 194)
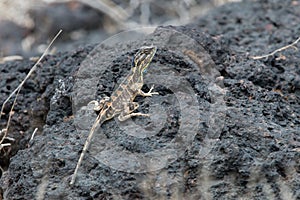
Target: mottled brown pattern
point(121, 101)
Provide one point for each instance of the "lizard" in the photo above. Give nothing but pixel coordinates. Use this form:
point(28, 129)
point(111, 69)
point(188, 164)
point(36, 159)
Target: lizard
point(121, 102)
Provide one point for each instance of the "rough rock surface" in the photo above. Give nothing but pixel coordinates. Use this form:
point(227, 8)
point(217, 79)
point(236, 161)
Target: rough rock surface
point(246, 144)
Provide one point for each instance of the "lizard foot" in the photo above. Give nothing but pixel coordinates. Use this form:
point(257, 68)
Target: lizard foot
point(125, 117)
point(148, 94)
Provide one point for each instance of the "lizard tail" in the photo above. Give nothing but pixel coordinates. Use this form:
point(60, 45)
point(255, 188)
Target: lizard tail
point(97, 122)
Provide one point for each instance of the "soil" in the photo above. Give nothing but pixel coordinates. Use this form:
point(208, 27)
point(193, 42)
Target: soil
point(227, 126)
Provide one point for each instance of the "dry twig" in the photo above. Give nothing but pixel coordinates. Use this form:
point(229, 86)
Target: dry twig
point(33, 134)
point(10, 58)
point(32, 137)
point(17, 90)
point(278, 50)
point(108, 7)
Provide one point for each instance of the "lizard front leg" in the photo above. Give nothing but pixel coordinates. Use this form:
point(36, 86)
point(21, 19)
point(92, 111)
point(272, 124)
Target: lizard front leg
point(147, 94)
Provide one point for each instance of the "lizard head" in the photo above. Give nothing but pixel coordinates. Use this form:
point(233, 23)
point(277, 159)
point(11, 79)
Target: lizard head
point(143, 57)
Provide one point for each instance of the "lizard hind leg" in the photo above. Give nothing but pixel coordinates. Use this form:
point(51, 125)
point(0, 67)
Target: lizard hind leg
point(125, 116)
point(99, 105)
point(127, 112)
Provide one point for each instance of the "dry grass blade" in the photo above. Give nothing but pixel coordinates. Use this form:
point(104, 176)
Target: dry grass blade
point(33, 134)
point(278, 50)
point(17, 90)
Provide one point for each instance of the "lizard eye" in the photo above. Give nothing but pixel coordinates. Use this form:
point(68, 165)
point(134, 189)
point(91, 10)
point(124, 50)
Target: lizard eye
point(142, 58)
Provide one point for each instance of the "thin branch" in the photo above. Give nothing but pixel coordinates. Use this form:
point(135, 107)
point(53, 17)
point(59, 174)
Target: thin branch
point(278, 50)
point(17, 90)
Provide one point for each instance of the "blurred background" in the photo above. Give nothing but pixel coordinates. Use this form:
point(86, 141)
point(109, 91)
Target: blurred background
point(27, 26)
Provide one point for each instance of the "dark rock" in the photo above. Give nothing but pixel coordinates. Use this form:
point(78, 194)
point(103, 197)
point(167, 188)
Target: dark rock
point(240, 140)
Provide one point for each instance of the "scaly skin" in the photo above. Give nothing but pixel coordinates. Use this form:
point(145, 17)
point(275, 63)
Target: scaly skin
point(121, 103)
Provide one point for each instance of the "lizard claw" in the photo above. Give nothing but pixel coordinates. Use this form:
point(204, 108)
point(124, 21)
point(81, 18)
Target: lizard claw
point(147, 94)
point(150, 91)
point(152, 87)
